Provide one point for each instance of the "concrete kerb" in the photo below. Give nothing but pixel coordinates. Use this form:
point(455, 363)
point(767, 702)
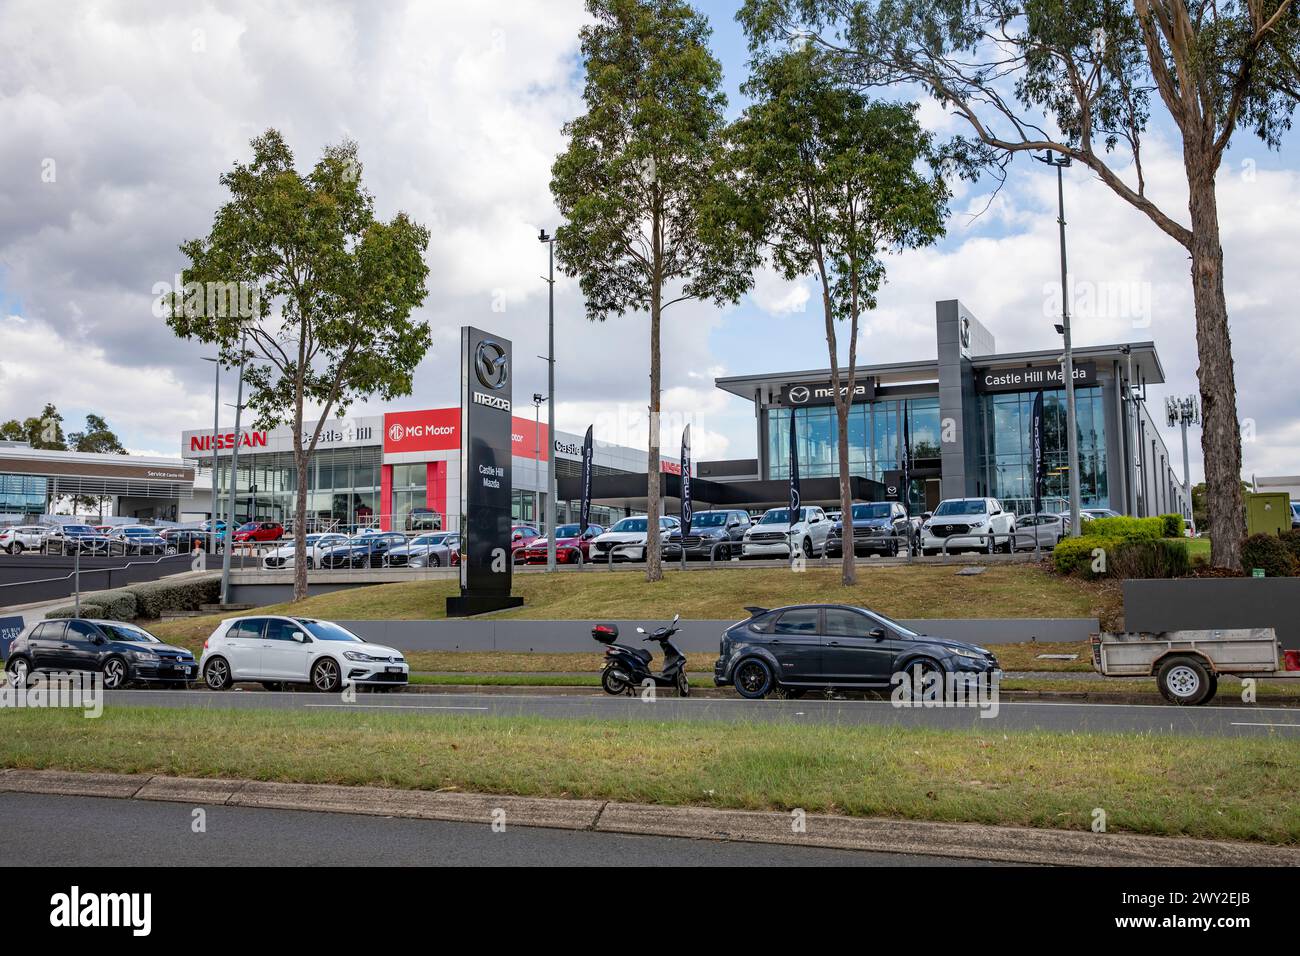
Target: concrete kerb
point(960, 840)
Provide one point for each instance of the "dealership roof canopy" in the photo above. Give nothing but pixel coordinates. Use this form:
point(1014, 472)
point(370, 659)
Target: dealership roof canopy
point(1145, 361)
point(85, 473)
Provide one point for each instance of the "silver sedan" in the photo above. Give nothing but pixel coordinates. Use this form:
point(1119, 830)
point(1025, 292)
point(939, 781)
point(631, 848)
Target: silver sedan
point(430, 550)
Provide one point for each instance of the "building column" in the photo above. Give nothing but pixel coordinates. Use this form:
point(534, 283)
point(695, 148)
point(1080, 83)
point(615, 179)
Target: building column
point(386, 498)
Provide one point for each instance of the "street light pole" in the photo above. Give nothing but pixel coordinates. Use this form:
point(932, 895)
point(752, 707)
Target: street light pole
point(1184, 411)
point(229, 536)
point(537, 456)
point(1071, 426)
point(550, 407)
point(216, 431)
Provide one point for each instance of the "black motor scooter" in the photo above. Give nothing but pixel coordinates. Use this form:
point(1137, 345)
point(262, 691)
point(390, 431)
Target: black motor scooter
point(627, 668)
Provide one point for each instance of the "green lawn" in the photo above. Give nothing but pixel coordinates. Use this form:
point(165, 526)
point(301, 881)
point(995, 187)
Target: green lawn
point(1247, 789)
point(905, 592)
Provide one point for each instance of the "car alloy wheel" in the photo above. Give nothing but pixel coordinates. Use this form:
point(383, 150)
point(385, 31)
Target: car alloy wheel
point(18, 673)
point(217, 674)
point(114, 673)
point(753, 678)
point(325, 675)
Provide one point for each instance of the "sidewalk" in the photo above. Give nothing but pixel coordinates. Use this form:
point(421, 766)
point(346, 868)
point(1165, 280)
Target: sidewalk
point(963, 840)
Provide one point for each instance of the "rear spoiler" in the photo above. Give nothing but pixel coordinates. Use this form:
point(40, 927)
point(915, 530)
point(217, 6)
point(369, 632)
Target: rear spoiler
point(756, 611)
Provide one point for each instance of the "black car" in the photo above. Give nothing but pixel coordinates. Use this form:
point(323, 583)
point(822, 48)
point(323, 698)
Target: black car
point(792, 649)
point(881, 527)
point(185, 540)
point(123, 653)
point(138, 539)
point(363, 551)
point(715, 534)
point(73, 538)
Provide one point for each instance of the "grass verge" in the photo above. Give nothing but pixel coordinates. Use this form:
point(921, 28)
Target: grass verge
point(1213, 788)
point(921, 591)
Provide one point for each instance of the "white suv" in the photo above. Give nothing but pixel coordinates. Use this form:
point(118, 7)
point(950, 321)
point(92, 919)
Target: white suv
point(771, 536)
point(22, 538)
point(275, 650)
point(981, 522)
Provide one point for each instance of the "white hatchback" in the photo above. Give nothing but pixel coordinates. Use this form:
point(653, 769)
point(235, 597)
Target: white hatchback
point(317, 544)
point(274, 651)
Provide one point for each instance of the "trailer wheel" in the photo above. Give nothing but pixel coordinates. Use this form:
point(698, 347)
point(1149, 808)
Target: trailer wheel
point(1185, 681)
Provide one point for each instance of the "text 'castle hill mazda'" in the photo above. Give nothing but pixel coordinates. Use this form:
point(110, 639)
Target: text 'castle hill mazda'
point(274, 650)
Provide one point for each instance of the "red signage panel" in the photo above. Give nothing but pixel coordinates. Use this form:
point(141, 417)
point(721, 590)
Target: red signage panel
point(435, 429)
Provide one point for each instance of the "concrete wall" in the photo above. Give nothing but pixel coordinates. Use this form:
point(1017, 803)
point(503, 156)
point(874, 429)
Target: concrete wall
point(1175, 605)
point(26, 579)
point(575, 636)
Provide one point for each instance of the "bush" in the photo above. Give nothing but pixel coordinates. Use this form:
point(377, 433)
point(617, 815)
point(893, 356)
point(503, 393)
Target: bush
point(70, 610)
point(1270, 553)
point(1165, 558)
point(157, 597)
point(1073, 555)
point(1126, 529)
point(1291, 539)
point(1174, 525)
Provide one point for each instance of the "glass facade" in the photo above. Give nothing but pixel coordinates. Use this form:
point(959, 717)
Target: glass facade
point(1006, 459)
point(343, 486)
point(409, 491)
point(875, 437)
point(22, 494)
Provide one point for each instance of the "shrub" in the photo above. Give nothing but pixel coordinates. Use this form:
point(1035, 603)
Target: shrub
point(1073, 555)
point(1174, 525)
point(70, 610)
point(157, 597)
point(1126, 529)
point(1270, 553)
point(1165, 558)
point(1291, 539)
point(119, 605)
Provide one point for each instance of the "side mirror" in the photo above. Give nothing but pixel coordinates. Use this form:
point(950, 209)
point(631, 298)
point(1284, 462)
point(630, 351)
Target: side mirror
point(676, 618)
point(640, 630)
point(877, 633)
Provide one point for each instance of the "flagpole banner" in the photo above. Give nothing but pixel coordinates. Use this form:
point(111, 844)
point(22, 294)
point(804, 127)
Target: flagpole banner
point(795, 496)
point(1036, 445)
point(584, 509)
point(905, 479)
point(686, 484)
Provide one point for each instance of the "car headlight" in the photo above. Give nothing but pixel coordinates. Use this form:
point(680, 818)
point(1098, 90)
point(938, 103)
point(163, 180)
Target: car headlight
point(358, 656)
point(143, 656)
point(979, 524)
point(968, 653)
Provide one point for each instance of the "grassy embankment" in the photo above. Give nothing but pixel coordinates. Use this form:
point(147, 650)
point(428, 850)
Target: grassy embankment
point(1217, 788)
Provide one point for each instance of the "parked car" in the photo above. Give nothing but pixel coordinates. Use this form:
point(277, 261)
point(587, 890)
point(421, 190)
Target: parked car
point(317, 544)
point(185, 540)
point(427, 551)
point(123, 653)
point(716, 533)
point(521, 536)
point(1041, 530)
point(275, 651)
point(792, 649)
point(423, 519)
point(362, 551)
point(629, 532)
point(219, 526)
point(259, 531)
point(878, 527)
point(24, 537)
point(1089, 513)
point(1295, 515)
point(568, 545)
point(138, 539)
point(74, 538)
point(975, 520)
point(771, 537)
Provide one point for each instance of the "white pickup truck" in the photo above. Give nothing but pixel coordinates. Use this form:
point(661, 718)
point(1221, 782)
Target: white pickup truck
point(1187, 664)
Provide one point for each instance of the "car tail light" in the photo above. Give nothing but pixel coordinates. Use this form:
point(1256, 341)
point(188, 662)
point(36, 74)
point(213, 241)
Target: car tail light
point(205, 643)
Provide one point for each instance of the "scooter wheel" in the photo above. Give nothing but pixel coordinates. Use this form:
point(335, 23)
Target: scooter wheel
point(612, 684)
point(683, 684)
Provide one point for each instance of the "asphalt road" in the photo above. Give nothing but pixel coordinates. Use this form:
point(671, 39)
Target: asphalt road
point(1239, 721)
point(43, 830)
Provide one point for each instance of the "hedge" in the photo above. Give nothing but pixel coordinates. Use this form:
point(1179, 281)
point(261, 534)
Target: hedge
point(1134, 552)
point(151, 599)
point(1075, 554)
point(1175, 526)
point(1292, 541)
point(1270, 553)
point(1124, 528)
point(1165, 558)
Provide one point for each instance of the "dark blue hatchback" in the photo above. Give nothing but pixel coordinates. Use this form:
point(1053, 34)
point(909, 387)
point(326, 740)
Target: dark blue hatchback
point(122, 653)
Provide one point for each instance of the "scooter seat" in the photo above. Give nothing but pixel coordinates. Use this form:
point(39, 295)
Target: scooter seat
point(642, 653)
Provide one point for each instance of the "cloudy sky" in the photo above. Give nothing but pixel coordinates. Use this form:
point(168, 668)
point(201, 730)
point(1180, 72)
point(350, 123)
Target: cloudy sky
point(119, 118)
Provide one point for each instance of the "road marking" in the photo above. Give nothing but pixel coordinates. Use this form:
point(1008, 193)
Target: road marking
point(396, 706)
point(1244, 724)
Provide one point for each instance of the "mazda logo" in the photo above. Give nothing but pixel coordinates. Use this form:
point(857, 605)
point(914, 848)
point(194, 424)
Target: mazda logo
point(799, 394)
point(491, 364)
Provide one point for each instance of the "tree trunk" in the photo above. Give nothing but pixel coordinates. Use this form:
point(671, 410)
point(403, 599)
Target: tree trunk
point(654, 570)
point(300, 557)
point(848, 567)
point(1220, 431)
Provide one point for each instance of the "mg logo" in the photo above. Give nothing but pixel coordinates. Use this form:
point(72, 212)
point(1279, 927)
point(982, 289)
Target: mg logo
point(396, 432)
point(799, 394)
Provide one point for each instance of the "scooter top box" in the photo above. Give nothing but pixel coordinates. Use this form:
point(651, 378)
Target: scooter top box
point(605, 633)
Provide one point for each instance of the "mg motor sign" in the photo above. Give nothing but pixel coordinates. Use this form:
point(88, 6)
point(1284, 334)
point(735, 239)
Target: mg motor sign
point(487, 433)
point(435, 429)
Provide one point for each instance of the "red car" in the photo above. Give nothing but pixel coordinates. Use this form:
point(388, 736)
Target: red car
point(259, 531)
point(567, 546)
point(521, 536)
